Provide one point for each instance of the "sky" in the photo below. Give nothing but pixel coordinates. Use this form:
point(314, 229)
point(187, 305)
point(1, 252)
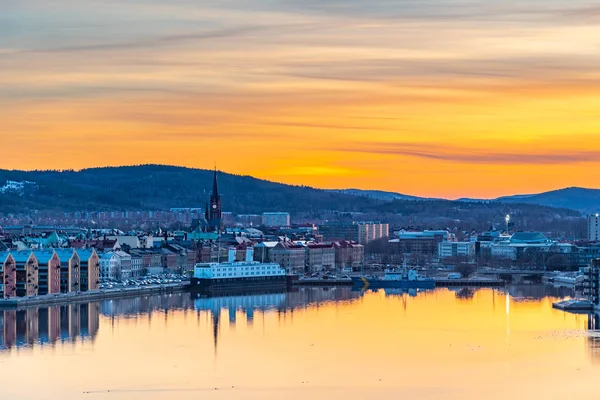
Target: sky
point(444, 98)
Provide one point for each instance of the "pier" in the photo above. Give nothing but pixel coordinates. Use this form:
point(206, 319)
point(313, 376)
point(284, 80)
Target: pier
point(445, 282)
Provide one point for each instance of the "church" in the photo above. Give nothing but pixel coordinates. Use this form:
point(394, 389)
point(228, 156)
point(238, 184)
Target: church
point(213, 213)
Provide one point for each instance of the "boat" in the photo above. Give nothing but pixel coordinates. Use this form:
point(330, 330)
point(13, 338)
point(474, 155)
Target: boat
point(247, 275)
point(404, 278)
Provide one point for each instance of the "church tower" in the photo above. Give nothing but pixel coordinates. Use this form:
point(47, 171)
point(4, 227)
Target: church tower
point(213, 208)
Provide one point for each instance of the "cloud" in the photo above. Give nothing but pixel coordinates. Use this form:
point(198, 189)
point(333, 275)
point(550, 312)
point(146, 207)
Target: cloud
point(474, 156)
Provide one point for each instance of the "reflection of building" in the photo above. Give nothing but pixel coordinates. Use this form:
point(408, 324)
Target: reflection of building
point(48, 325)
point(593, 338)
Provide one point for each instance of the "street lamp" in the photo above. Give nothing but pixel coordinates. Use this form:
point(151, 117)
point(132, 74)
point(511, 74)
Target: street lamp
point(507, 219)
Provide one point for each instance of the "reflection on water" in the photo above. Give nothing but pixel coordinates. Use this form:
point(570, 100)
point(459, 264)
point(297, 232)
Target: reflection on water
point(48, 325)
point(309, 343)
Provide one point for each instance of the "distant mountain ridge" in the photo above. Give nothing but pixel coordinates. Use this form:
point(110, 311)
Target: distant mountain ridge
point(575, 198)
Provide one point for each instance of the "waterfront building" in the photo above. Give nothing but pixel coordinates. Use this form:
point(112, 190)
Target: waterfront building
point(27, 273)
point(49, 272)
point(70, 270)
point(290, 256)
point(319, 257)
point(89, 269)
point(136, 266)
point(456, 249)
point(8, 275)
point(592, 227)
point(348, 255)
point(421, 243)
point(109, 266)
point(124, 264)
point(522, 242)
point(276, 219)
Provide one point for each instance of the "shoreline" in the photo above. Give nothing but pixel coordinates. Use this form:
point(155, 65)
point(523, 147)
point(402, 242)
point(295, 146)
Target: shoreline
point(95, 295)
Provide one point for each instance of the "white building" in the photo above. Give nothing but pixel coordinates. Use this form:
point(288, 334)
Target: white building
point(277, 219)
point(593, 229)
point(110, 266)
point(369, 231)
point(456, 249)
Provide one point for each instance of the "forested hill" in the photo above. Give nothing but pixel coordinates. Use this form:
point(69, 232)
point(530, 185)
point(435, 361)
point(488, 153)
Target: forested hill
point(152, 187)
point(160, 187)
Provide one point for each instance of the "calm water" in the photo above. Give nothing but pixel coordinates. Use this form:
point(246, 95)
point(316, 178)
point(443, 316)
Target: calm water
point(313, 343)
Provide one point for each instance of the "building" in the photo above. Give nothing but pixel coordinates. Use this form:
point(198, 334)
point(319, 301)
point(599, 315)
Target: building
point(276, 219)
point(168, 260)
point(422, 244)
point(89, 278)
point(263, 251)
point(360, 232)
point(214, 211)
point(70, 271)
point(349, 255)
point(8, 276)
point(27, 273)
point(49, 272)
point(131, 241)
point(319, 257)
point(125, 264)
point(136, 266)
point(592, 227)
point(528, 245)
point(456, 249)
point(109, 266)
point(369, 231)
point(290, 256)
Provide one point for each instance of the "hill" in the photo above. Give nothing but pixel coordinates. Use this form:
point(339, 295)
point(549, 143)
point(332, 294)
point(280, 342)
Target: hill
point(160, 187)
point(376, 194)
point(576, 198)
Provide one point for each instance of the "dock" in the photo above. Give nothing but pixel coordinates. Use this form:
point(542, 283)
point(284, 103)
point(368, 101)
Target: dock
point(475, 282)
point(93, 295)
point(323, 282)
point(574, 306)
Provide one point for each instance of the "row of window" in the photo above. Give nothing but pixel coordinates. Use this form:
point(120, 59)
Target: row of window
point(247, 274)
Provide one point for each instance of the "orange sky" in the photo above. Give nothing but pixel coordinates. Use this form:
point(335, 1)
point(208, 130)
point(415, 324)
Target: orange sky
point(442, 98)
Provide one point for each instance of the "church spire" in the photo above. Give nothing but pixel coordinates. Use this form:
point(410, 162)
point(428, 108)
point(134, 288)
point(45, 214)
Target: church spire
point(215, 191)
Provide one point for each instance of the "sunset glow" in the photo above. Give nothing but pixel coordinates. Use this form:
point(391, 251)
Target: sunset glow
point(444, 98)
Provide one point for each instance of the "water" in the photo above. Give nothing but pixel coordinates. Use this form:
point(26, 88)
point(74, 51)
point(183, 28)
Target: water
point(314, 343)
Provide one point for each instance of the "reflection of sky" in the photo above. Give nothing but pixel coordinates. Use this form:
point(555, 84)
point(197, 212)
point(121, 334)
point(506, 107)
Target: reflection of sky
point(434, 346)
point(442, 87)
